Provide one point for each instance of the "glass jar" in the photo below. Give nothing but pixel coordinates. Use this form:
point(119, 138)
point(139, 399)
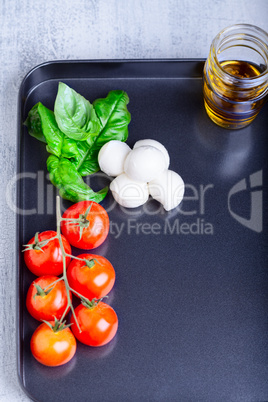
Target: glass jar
point(236, 76)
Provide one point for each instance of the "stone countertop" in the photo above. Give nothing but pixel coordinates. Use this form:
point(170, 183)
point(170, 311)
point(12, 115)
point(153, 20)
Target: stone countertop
point(36, 31)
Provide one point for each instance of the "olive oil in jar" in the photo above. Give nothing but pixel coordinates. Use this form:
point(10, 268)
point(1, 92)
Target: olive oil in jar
point(234, 90)
point(241, 69)
point(230, 107)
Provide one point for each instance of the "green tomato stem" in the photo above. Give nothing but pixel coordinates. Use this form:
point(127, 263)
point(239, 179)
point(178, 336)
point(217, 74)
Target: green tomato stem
point(71, 219)
point(53, 283)
point(64, 314)
point(78, 294)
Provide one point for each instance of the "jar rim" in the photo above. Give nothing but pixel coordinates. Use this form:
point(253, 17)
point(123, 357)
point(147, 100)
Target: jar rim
point(239, 28)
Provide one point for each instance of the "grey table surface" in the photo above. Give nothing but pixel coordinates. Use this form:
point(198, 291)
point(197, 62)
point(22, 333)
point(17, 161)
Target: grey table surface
point(36, 31)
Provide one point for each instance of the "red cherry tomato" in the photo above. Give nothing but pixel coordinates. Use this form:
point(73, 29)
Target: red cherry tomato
point(98, 324)
point(93, 278)
point(49, 303)
point(46, 259)
point(53, 348)
point(92, 229)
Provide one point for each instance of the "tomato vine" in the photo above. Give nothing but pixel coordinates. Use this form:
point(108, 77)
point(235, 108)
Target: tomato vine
point(37, 245)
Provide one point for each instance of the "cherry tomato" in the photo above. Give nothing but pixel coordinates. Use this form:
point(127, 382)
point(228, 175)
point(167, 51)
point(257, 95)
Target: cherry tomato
point(44, 302)
point(53, 348)
point(90, 225)
point(98, 324)
point(93, 278)
point(46, 258)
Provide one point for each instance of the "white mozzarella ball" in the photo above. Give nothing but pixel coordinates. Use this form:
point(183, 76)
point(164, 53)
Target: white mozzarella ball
point(168, 189)
point(156, 144)
point(129, 193)
point(112, 156)
point(144, 163)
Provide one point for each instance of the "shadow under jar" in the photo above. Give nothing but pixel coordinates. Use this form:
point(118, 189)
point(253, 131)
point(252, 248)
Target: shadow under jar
point(235, 85)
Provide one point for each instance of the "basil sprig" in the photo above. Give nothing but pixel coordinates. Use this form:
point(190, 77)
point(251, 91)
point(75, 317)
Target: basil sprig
point(74, 134)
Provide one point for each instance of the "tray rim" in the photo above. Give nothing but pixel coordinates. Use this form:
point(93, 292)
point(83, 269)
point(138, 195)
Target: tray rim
point(47, 64)
point(112, 61)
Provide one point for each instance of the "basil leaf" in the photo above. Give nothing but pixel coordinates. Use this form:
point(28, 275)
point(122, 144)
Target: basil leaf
point(75, 134)
point(42, 123)
point(75, 115)
point(65, 177)
point(114, 117)
point(33, 123)
point(51, 131)
point(86, 162)
point(69, 148)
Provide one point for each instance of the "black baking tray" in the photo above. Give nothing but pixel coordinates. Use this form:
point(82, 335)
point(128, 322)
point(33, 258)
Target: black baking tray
point(192, 296)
